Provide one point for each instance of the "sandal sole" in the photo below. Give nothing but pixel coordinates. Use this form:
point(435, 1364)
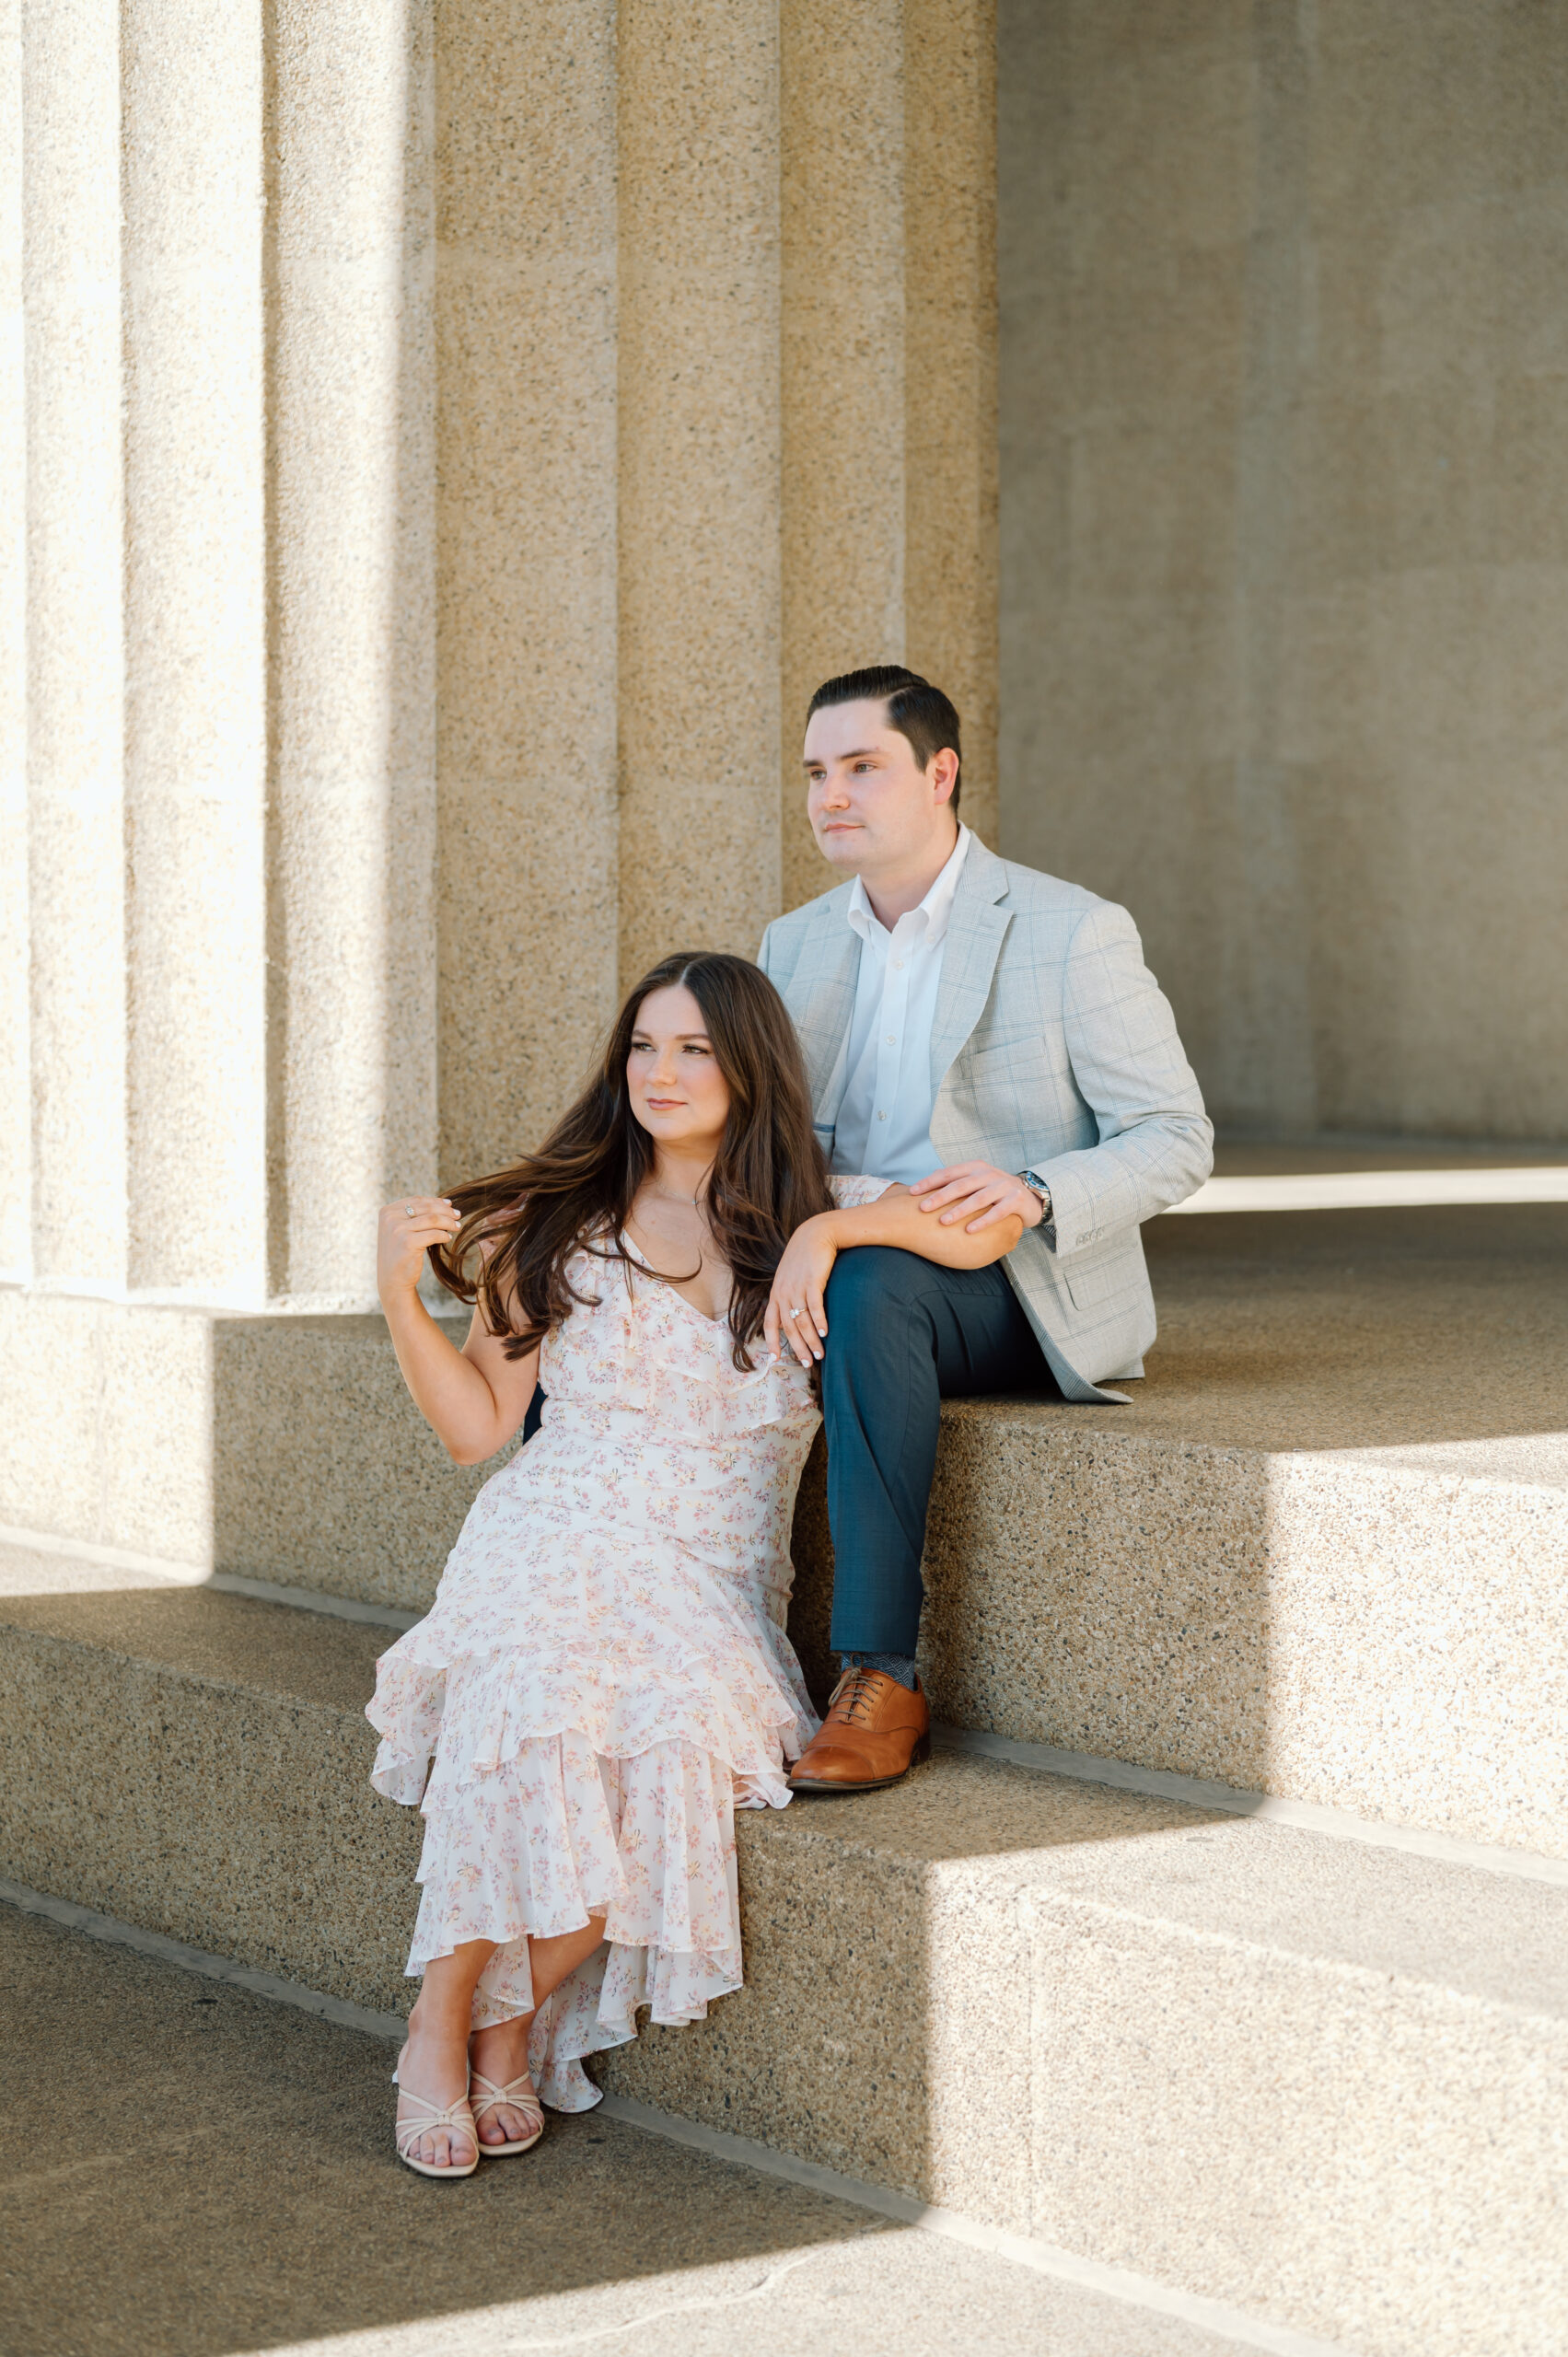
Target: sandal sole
point(428, 2168)
point(501, 2151)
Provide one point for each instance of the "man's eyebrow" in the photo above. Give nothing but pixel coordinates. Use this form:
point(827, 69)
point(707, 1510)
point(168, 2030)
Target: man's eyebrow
point(861, 754)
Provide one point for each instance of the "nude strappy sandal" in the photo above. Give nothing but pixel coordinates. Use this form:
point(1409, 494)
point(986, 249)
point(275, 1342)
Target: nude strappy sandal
point(456, 2117)
point(492, 2097)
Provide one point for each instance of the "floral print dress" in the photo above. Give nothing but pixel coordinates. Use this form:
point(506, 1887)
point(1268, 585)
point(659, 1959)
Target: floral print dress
point(604, 1675)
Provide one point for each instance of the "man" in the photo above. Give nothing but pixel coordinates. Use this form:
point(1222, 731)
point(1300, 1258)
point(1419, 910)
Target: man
point(991, 1037)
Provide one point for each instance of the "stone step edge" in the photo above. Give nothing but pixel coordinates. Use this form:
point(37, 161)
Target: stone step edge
point(1144, 2292)
point(1086, 1767)
point(1275, 1808)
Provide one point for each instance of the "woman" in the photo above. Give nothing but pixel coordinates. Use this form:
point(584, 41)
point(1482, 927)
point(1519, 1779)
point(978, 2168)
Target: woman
point(604, 1675)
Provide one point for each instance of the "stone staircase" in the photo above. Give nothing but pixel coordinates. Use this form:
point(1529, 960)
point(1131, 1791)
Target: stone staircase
point(1321, 1559)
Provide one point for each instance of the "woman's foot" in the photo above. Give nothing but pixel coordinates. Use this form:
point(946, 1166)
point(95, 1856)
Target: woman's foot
point(499, 2057)
point(436, 2131)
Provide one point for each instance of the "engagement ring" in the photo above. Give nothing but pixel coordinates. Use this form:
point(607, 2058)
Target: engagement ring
point(408, 1211)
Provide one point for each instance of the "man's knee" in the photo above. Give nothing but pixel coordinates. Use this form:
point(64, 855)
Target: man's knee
point(870, 1282)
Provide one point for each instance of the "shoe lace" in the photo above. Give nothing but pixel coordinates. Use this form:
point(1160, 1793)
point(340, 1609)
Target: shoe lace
point(853, 1695)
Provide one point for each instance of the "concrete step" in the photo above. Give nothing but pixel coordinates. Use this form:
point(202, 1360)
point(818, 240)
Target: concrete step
point(1320, 2082)
point(1320, 1555)
point(283, 1448)
point(120, 2218)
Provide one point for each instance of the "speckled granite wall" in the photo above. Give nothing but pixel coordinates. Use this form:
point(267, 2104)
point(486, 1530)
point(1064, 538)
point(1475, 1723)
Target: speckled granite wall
point(1285, 535)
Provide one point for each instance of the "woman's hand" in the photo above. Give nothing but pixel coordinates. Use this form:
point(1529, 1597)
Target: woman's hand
point(408, 1229)
point(795, 1306)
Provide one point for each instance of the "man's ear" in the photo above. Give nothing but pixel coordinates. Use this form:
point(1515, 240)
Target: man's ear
point(942, 770)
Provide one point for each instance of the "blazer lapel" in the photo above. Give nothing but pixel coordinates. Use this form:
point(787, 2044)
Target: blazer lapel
point(975, 931)
point(820, 997)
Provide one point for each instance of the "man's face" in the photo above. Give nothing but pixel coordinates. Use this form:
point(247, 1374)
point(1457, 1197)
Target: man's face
point(871, 805)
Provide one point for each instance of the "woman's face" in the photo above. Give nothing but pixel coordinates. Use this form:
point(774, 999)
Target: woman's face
point(672, 1074)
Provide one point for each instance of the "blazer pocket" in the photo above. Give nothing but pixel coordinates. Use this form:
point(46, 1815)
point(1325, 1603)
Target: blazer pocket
point(1094, 1278)
point(1026, 1044)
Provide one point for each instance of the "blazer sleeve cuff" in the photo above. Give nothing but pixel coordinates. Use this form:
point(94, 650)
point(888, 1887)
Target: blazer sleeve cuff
point(1068, 1226)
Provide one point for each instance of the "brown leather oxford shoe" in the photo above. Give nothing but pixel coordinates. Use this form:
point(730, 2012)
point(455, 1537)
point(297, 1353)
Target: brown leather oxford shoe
point(874, 1732)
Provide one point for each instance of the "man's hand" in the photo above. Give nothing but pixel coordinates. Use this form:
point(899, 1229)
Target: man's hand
point(978, 1194)
point(795, 1308)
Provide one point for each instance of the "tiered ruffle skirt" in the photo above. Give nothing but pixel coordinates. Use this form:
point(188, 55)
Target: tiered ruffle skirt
point(571, 1782)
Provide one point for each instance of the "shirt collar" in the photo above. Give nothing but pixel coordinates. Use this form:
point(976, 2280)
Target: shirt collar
point(928, 922)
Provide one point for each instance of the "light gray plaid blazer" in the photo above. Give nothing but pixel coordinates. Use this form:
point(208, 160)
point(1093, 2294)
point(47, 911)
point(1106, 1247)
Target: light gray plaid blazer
point(1053, 1047)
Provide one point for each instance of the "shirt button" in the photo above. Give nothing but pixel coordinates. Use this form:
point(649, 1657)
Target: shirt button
point(881, 1116)
point(892, 1039)
point(898, 965)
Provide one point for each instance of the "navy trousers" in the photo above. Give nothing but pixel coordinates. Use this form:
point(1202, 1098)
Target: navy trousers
point(903, 1335)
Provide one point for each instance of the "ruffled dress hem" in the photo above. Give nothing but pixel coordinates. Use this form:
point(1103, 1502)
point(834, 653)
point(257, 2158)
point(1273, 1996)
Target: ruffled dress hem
point(559, 1833)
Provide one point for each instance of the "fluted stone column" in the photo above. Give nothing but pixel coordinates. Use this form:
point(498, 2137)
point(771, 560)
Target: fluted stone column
point(16, 1086)
point(195, 648)
point(951, 326)
point(351, 262)
point(842, 381)
point(699, 441)
point(76, 698)
point(888, 392)
point(526, 307)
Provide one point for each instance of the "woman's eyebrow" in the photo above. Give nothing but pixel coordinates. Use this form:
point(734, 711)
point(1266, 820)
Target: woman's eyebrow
point(674, 1035)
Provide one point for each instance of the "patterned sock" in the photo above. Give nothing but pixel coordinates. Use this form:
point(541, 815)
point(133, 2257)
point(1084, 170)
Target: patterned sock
point(899, 1666)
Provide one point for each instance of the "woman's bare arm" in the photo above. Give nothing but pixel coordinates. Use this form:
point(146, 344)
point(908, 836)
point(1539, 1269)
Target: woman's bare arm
point(475, 1398)
point(894, 1218)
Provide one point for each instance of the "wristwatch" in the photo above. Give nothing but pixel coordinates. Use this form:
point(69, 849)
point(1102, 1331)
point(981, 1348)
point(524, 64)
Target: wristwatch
point(1036, 1186)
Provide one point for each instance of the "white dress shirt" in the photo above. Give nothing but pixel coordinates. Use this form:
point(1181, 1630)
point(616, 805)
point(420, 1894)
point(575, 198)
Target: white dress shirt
point(884, 1124)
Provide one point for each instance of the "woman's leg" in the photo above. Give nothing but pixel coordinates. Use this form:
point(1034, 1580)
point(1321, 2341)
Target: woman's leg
point(435, 2061)
point(501, 2053)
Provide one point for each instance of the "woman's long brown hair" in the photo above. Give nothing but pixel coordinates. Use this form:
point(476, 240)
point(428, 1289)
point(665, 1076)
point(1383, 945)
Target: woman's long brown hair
point(521, 1227)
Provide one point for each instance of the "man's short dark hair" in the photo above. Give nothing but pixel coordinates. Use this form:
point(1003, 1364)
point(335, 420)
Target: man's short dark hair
point(915, 709)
